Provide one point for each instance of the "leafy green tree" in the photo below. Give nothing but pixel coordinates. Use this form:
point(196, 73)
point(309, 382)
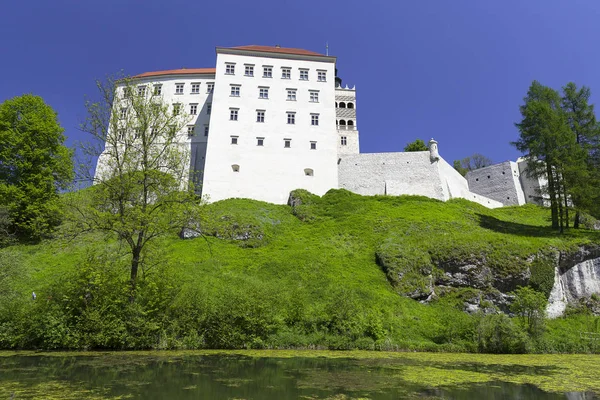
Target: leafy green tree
point(417, 145)
point(458, 166)
point(471, 163)
point(142, 188)
point(550, 148)
point(530, 306)
point(582, 121)
point(34, 166)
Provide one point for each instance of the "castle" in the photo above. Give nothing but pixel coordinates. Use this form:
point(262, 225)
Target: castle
point(268, 120)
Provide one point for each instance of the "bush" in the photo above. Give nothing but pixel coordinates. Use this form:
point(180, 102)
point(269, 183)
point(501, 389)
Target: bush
point(498, 334)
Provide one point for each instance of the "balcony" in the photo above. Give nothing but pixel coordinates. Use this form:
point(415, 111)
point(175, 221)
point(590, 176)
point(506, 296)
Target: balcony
point(346, 127)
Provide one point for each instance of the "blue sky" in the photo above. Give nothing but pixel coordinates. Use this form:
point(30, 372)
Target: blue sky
point(455, 70)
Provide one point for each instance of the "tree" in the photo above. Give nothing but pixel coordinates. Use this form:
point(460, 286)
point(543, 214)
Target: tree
point(581, 119)
point(531, 307)
point(417, 145)
point(34, 166)
point(550, 147)
point(471, 163)
point(142, 188)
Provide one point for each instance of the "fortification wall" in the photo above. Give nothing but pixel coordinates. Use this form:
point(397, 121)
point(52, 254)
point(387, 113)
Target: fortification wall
point(456, 186)
point(500, 182)
point(390, 173)
point(410, 173)
point(532, 187)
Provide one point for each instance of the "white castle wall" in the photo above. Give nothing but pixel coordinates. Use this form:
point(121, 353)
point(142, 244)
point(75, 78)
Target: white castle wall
point(409, 173)
point(500, 182)
point(532, 187)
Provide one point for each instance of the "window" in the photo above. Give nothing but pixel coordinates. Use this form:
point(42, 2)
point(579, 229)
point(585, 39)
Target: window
point(126, 92)
point(303, 74)
point(235, 168)
point(322, 76)
point(121, 135)
point(350, 105)
point(176, 108)
point(123, 112)
point(313, 145)
point(179, 88)
point(190, 130)
point(260, 141)
point(141, 91)
point(233, 114)
point(229, 69)
point(210, 87)
point(137, 132)
point(205, 130)
point(267, 72)
point(342, 104)
point(263, 93)
point(260, 116)
point(291, 94)
point(249, 70)
point(343, 140)
point(195, 88)
point(314, 119)
point(286, 73)
point(208, 109)
point(291, 118)
point(193, 109)
point(235, 90)
point(287, 143)
point(308, 172)
point(314, 96)
point(157, 90)
point(234, 139)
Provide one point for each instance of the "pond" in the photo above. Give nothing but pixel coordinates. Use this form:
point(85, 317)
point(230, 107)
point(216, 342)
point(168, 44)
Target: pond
point(296, 375)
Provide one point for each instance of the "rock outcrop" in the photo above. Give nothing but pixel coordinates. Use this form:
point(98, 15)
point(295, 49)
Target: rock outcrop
point(576, 277)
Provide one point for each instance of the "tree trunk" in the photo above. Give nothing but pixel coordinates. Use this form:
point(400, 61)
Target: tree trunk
point(552, 194)
point(576, 222)
point(135, 263)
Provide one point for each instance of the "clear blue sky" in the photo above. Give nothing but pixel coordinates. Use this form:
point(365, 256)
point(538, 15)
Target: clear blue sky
point(454, 70)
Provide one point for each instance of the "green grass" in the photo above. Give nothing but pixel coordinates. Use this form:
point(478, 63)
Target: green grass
point(275, 276)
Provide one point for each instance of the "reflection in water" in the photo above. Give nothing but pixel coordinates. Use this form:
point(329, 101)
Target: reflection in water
point(233, 377)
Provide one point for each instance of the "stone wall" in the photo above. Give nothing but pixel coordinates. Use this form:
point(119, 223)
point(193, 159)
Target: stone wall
point(390, 173)
point(500, 182)
point(409, 173)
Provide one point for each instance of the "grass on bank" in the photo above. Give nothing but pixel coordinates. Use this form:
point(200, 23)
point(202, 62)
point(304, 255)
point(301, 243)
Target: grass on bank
point(273, 276)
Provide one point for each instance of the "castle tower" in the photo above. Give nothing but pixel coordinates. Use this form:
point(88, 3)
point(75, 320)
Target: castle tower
point(345, 118)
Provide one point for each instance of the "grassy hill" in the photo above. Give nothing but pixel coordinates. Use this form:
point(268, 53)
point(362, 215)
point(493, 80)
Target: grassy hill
point(323, 274)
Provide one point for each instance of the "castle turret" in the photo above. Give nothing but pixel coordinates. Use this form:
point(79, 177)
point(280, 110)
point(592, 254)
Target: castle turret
point(433, 151)
point(345, 114)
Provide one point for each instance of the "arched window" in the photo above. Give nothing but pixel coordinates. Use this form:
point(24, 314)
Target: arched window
point(342, 122)
point(308, 172)
point(235, 168)
point(350, 122)
point(350, 105)
point(342, 104)
point(336, 105)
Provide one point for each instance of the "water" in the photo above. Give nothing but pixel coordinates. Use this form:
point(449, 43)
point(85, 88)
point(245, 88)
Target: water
point(230, 376)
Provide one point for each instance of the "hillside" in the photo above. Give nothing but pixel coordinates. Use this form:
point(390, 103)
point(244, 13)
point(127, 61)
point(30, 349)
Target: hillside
point(342, 271)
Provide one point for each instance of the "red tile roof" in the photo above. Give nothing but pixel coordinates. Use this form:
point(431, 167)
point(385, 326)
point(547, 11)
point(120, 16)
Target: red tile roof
point(275, 49)
point(182, 71)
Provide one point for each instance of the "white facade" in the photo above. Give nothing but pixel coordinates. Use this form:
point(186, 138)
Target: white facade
point(255, 150)
point(268, 120)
